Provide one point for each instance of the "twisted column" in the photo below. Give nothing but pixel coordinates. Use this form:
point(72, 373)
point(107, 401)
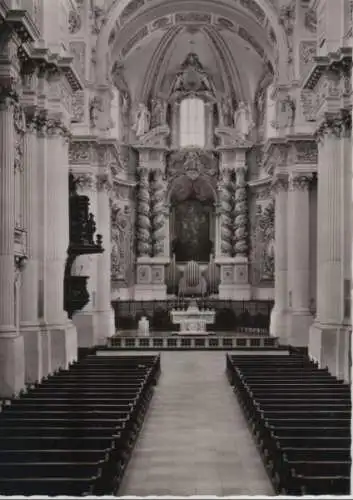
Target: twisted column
point(144, 226)
point(240, 227)
point(225, 198)
point(62, 333)
point(158, 215)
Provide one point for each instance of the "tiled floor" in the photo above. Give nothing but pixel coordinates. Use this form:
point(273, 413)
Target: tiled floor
point(195, 439)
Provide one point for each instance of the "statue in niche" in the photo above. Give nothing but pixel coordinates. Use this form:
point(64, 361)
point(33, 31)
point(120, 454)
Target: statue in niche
point(192, 240)
point(95, 107)
point(243, 123)
point(142, 120)
point(192, 77)
point(158, 112)
point(225, 115)
point(291, 111)
point(125, 102)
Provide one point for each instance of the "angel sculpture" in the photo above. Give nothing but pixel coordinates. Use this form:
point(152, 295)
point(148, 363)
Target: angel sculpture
point(243, 123)
point(142, 120)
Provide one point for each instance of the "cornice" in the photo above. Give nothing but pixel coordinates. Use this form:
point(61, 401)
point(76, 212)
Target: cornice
point(20, 22)
point(262, 181)
point(333, 61)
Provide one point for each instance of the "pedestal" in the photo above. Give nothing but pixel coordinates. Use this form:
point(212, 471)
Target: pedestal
point(150, 277)
point(234, 278)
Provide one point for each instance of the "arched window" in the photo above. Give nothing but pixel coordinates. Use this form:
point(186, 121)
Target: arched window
point(192, 122)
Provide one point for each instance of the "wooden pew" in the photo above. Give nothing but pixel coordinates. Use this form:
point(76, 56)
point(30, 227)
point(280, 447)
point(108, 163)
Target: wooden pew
point(38, 455)
point(42, 470)
point(64, 443)
point(47, 486)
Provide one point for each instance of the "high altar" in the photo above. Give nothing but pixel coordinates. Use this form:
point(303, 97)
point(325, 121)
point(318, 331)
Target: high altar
point(191, 201)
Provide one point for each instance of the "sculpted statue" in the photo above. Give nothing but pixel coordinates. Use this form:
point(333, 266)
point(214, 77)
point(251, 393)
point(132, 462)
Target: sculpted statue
point(158, 112)
point(225, 112)
point(179, 82)
point(142, 120)
point(125, 102)
point(242, 119)
point(95, 107)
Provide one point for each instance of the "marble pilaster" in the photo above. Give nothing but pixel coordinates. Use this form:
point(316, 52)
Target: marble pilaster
point(104, 311)
point(279, 314)
point(12, 370)
point(329, 335)
point(62, 331)
point(30, 327)
point(299, 318)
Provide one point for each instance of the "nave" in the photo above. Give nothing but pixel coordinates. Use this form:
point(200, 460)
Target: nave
point(195, 439)
point(153, 424)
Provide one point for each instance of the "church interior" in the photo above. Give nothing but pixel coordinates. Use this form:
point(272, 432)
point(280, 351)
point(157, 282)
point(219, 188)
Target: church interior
point(175, 247)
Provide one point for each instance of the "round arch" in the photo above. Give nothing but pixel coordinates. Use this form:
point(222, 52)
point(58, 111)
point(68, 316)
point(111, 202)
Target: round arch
point(230, 12)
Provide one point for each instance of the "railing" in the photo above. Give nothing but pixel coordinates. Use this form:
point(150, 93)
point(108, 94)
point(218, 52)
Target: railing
point(202, 342)
point(231, 315)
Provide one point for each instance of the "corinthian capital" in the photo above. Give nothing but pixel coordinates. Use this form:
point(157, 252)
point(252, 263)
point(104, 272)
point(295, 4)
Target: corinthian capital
point(279, 183)
point(84, 181)
point(300, 182)
point(104, 182)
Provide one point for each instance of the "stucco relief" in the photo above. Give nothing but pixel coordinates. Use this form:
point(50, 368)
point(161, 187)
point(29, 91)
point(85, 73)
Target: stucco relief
point(122, 244)
point(262, 242)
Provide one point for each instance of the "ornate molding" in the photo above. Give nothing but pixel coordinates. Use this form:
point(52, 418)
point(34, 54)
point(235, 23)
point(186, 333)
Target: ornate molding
point(337, 124)
point(230, 138)
point(84, 181)
point(103, 182)
point(300, 182)
point(192, 163)
point(280, 183)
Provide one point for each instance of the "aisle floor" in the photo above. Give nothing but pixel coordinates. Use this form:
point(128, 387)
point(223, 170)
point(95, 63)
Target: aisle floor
point(195, 439)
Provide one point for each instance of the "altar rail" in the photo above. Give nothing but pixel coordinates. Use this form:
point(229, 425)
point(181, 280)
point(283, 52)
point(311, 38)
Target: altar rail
point(231, 315)
point(206, 342)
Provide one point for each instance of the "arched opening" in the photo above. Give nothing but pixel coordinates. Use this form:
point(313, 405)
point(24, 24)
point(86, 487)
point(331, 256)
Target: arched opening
point(192, 123)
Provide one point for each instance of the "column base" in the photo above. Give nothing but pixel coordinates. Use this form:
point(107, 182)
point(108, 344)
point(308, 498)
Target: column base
point(330, 347)
point(234, 292)
point(279, 324)
point(150, 292)
point(63, 340)
point(86, 324)
point(33, 350)
point(106, 325)
point(46, 349)
point(299, 323)
point(12, 365)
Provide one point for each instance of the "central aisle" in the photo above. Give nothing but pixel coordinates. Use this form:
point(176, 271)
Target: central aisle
point(195, 439)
